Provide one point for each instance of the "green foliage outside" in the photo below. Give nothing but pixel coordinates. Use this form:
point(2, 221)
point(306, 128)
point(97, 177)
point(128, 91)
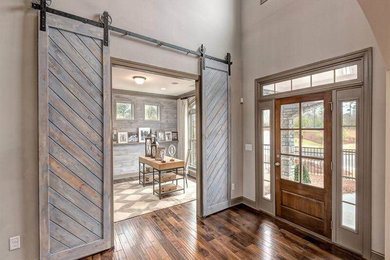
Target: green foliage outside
point(123, 111)
point(151, 112)
point(305, 175)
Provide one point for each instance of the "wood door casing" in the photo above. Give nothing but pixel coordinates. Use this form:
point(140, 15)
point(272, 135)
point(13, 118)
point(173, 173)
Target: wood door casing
point(302, 204)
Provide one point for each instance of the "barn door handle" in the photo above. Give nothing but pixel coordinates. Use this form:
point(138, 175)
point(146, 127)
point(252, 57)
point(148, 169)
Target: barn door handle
point(277, 164)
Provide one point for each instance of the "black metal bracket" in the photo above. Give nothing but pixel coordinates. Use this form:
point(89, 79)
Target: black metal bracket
point(202, 51)
point(105, 27)
point(229, 62)
point(43, 15)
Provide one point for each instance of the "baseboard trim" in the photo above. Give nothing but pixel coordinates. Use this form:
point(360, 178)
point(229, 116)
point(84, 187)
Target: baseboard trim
point(236, 201)
point(377, 256)
point(243, 200)
point(249, 202)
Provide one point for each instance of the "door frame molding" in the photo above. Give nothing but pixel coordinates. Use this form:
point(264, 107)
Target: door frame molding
point(176, 74)
point(364, 58)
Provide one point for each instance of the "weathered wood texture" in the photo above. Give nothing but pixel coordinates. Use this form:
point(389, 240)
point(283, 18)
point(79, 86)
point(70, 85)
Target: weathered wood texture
point(76, 137)
point(235, 233)
point(126, 156)
point(75, 219)
point(216, 141)
point(168, 112)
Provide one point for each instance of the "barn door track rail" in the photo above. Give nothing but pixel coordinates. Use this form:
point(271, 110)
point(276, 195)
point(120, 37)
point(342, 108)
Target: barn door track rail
point(105, 22)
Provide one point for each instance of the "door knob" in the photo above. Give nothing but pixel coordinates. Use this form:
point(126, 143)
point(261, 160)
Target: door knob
point(277, 164)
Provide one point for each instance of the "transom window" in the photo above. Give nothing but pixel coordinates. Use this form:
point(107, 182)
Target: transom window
point(302, 142)
point(349, 72)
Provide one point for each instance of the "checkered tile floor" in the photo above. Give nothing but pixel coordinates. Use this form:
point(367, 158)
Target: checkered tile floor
point(132, 199)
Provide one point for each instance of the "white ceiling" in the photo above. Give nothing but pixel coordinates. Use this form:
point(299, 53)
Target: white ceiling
point(122, 78)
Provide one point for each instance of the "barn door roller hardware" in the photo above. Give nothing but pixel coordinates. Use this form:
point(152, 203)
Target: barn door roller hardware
point(43, 15)
point(105, 22)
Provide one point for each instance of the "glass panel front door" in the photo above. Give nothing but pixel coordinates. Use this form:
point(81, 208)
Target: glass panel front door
point(303, 158)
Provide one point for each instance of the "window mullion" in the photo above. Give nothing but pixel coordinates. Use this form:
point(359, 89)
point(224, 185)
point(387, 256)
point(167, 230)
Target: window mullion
point(300, 142)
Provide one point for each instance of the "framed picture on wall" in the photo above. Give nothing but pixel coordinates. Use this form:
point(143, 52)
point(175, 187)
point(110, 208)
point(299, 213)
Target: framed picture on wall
point(175, 136)
point(160, 135)
point(168, 136)
point(143, 132)
point(123, 137)
point(133, 137)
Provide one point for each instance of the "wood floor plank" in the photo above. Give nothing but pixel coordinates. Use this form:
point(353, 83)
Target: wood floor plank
point(236, 233)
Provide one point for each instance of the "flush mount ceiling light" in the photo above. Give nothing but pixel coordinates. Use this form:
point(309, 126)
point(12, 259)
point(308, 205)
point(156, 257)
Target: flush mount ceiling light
point(163, 88)
point(139, 80)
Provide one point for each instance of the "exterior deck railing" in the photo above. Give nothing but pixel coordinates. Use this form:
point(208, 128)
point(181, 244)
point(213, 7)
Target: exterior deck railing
point(315, 166)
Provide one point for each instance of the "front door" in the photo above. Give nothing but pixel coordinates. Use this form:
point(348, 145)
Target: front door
point(303, 147)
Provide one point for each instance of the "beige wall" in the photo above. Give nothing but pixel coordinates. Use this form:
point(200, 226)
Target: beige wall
point(377, 13)
point(183, 22)
point(284, 34)
point(387, 197)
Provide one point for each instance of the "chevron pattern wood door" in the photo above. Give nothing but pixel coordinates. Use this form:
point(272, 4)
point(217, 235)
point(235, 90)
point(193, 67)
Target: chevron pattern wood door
point(75, 140)
point(215, 137)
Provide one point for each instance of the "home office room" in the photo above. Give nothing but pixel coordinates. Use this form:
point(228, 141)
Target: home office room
point(154, 141)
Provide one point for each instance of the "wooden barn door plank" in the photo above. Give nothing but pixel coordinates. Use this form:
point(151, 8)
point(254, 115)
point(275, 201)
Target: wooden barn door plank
point(215, 137)
point(74, 140)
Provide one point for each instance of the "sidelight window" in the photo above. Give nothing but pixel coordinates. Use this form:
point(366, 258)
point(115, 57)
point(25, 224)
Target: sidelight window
point(266, 160)
point(349, 160)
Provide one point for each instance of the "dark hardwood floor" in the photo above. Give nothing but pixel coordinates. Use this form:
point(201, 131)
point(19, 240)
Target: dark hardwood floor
point(236, 233)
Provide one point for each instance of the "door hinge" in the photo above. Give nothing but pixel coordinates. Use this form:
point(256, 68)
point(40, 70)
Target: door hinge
point(331, 105)
point(331, 166)
point(331, 224)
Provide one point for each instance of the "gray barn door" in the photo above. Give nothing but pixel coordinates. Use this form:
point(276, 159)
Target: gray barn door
point(74, 140)
point(215, 137)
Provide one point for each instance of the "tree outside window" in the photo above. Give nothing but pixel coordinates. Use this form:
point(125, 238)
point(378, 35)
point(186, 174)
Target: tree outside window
point(152, 112)
point(124, 111)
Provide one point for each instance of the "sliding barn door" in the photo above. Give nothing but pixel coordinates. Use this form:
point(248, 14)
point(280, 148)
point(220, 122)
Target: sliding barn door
point(215, 137)
point(74, 140)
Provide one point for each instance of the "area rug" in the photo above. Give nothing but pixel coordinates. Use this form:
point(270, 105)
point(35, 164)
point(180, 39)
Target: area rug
point(132, 199)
